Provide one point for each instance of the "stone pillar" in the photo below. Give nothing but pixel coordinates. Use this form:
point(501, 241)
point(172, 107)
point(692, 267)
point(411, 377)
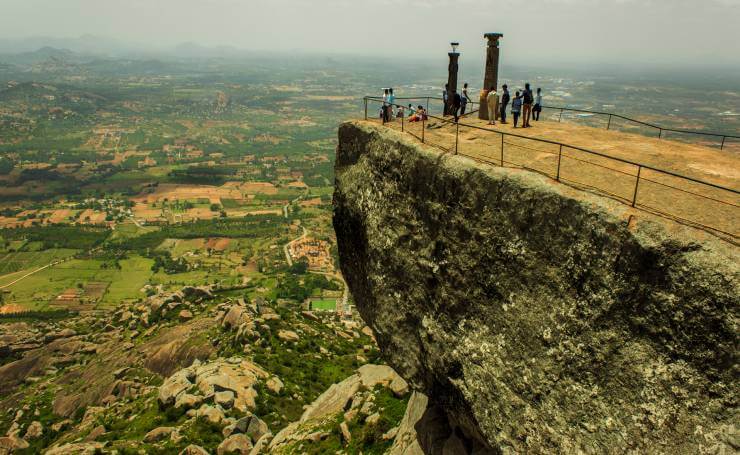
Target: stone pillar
point(451, 80)
point(491, 76)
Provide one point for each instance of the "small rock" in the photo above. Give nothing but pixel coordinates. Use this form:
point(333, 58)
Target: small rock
point(225, 399)
point(59, 426)
point(310, 315)
point(9, 444)
point(346, 435)
point(261, 445)
point(158, 434)
point(211, 414)
point(288, 335)
point(399, 387)
point(274, 385)
point(373, 419)
point(185, 315)
point(391, 434)
point(188, 401)
point(237, 443)
point(257, 428)
point(34, 431)
point(95, 433)
point(193, 449)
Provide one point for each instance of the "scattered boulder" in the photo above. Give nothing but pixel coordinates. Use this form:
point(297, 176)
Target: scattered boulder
point(34, 431)
point(346, 435)
point(10, 444)
point(158, 434)
point(76, 448)
point(193, 449)
point(95, 433)
point(187, 401)
point(274, 385)
point(185, 315)
point(225, 399)
point(173, 386)
point(212, 414)
point(288, 335)
point(235, 444)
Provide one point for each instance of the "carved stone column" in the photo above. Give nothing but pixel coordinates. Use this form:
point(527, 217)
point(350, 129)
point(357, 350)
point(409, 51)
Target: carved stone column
point(452, 70)
point(491, 76)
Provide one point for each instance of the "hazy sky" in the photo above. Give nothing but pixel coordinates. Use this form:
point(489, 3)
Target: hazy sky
point(536, 31)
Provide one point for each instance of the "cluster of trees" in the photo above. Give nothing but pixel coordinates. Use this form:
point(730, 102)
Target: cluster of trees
point(60, 236)
point(299, 285)
point(164, 261)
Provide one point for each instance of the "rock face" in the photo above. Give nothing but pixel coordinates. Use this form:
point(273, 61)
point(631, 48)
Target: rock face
point(537, 317)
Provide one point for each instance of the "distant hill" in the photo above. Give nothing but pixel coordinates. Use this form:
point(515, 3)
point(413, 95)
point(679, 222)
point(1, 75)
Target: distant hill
point(42, 55)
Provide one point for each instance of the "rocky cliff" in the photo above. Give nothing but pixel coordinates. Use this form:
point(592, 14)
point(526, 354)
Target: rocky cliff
point(537, 318)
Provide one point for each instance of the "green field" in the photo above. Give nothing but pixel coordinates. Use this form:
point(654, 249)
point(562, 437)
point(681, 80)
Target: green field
point(29, 260)
point(36, 291)
point(324, 305)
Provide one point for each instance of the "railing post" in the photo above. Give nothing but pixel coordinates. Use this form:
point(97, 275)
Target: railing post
point(560, 156)
point(365, 108)
point(637, 185)
point(660, 133)
point(423, 128)
point(502, 149)
point(402, 120)
point(722, 146)
point(609, 123)
point(561, 116)
point(457, 136)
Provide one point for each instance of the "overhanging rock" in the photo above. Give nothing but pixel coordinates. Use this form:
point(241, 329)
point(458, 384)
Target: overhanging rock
point(536, 316)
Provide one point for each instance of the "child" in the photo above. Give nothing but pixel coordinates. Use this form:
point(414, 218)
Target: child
point(516, 107)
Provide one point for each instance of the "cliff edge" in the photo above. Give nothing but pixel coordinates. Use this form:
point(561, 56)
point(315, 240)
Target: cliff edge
point(537, 318)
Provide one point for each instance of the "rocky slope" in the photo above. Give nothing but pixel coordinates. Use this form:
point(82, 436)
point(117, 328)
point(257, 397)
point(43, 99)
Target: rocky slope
point(196, 371)
point(537, 318)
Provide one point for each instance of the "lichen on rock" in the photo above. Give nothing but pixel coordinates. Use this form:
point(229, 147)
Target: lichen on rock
point(535, 315)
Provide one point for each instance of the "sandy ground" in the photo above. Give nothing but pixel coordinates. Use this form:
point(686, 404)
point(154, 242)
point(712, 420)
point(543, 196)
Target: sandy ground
point(693, 203)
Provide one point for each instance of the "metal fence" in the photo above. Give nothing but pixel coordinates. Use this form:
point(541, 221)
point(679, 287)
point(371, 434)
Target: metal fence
point(660, 130)
point(685, 199)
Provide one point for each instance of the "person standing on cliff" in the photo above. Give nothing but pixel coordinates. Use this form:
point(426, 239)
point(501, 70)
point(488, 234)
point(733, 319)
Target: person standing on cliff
point(492, 103)
point(391, 102)
point(464, 100)
point(384, 109)
point(505, 99)
point(445, 100)
point(527, 100)
point(516, 107)
point(537, 106)
point(455, 107)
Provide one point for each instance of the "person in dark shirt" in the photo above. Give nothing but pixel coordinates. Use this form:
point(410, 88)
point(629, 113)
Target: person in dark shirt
point(446, 100)
point(455, 107)
point(505, 99)
point(527, 100)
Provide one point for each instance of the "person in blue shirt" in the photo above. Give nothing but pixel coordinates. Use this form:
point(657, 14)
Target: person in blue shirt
point(516, 107)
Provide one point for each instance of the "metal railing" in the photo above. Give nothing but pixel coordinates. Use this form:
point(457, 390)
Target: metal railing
point(567, 158)
point(660, 129)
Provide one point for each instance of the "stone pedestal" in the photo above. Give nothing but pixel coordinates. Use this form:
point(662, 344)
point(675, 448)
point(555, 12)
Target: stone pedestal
point(491, 77)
